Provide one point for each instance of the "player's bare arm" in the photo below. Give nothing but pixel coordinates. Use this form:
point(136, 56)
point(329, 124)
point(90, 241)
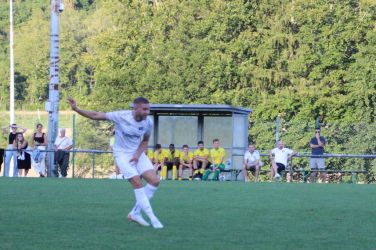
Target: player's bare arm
point(94, 115)
point(143, 145)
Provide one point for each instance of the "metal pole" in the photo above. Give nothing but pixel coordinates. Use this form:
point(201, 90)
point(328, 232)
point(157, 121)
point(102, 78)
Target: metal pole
point(74, 142)
point(92, 166)
point(52, 105)
point(11, 72)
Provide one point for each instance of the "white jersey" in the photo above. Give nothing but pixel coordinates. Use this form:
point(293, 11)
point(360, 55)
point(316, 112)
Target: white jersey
point(251, 158)
point(128, 132)
point(63, 142)
point(281, 155)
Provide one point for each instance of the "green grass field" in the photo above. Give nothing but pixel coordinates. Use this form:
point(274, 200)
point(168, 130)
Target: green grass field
point(91, 214)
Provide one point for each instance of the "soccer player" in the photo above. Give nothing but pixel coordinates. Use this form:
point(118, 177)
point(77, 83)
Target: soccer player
point(200, 160)
point(150, 154)
point(172, 160)
point(159, 160)
point(186, 158)
point(132, 133)
point(217, 156)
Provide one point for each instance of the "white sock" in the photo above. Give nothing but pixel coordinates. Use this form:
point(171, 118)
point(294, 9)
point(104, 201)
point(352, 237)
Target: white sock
point(149, 191)
point(143, 202)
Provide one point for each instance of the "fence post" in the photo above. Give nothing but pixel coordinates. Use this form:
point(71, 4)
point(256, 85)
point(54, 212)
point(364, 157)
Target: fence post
point(74, 142)
point(92, 165)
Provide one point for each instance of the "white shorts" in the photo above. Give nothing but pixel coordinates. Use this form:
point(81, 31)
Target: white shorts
point(317, 163)
point(128, 169)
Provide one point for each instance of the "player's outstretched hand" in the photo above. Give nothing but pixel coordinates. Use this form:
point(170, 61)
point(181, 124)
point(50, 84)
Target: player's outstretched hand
point(72, 103)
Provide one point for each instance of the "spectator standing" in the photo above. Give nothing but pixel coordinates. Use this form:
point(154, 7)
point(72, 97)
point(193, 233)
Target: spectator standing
point(12, 130)
point(317, 162)
point(39, 144)
point(62, 143)
point(23, 158)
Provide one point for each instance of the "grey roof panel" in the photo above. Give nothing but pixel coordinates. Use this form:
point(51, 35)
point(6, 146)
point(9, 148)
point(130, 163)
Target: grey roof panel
point(198, 108)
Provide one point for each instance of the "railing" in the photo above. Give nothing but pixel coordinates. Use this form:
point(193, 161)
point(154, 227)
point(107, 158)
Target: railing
point(235, 170)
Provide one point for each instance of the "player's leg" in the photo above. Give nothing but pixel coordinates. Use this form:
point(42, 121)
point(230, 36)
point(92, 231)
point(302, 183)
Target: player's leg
point(257, 171)
point(174, 168)
point(203, 166)
point(145, 168)
point(195, 168)
point(190, 168)
point(273, 169)
point(180, 174)
point(245, 173)
point(280, 167)
point(276, 168)
point(312, 163)
point(217, 170)
point(321, 166)
point(207, 172)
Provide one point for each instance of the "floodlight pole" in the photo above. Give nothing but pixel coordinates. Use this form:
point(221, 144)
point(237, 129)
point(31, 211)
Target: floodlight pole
point(11, 70)
point(52, 105)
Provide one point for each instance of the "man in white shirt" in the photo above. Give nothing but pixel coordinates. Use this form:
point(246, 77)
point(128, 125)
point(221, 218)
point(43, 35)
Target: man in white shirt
point(132, 132)
point(279, 158)
point(252, 162)
point(62, 143)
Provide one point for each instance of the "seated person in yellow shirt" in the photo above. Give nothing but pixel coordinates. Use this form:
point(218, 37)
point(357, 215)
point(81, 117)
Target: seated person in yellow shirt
point(150, 154)
point(200, 160)
point(217, 156)
point(172, 161)
point(186, 159)
point(159, 158)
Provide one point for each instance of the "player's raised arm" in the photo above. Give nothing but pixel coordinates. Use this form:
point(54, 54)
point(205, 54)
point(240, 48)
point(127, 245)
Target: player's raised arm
point(94, 115)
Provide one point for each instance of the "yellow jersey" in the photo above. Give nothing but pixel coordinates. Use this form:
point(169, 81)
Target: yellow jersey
point(184, 157)
point(217, 155)
point(169, 156)
point(201, 153)
point(161, 155)
point(150, 154)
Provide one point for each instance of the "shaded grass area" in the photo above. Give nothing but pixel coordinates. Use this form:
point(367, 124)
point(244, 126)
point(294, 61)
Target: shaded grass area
point(91, 214)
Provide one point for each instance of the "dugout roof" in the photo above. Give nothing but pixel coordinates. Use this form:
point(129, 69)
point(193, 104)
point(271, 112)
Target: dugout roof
point(198, 109)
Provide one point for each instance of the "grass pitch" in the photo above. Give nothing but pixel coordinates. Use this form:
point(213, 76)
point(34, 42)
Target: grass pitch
point(92, 214)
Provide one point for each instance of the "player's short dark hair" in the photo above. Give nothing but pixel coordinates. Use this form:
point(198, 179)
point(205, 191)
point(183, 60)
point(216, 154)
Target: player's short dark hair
point(39, 124)
point(158, 146)
point(140, 100)
point(251, 144)
point(185, 146)
point(200, 142)
point(215, 140)
point(171, 145)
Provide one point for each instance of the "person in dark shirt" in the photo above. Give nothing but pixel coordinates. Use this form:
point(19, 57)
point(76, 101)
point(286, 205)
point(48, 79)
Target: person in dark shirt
point(9, 154)
point(39, 144)
point(317, 162)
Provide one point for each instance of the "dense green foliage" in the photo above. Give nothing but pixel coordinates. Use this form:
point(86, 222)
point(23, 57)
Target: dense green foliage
point(297, 59)
point(91, 214)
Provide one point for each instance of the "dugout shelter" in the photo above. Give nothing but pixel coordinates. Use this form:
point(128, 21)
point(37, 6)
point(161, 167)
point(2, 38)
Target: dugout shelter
point(189, 123)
